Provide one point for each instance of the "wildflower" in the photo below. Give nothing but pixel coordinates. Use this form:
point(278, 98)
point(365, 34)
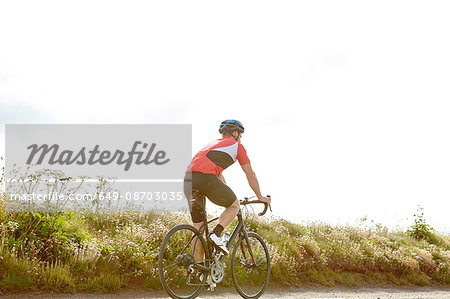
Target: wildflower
point(13, 226)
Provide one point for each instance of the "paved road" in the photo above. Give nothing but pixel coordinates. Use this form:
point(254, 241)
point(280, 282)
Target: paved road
point(272, 293)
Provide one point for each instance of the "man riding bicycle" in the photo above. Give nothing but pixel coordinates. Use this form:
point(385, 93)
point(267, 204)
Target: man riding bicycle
point(204, 174)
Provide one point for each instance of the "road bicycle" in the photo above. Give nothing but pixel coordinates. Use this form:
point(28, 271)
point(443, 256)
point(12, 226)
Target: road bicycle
point(183, 277)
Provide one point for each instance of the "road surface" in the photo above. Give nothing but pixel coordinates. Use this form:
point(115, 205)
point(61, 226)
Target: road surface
point(271, 293)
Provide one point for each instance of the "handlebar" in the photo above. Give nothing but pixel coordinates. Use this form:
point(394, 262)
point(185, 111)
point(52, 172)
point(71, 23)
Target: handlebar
point(246, 201)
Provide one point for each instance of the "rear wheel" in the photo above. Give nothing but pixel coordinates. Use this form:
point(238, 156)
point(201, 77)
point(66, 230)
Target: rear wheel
point(176, 262)
point(250, 274)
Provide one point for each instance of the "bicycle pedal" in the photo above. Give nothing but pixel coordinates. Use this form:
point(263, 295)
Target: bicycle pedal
point(211, 284)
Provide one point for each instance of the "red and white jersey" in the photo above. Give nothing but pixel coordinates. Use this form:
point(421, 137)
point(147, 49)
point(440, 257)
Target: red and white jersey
point(218, 155)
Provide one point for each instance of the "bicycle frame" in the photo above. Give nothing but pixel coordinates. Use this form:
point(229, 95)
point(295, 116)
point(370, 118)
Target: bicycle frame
point(238, 230)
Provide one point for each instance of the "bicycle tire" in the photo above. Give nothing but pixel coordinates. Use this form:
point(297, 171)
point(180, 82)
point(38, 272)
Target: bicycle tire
point(261, 252)
point(165, 251)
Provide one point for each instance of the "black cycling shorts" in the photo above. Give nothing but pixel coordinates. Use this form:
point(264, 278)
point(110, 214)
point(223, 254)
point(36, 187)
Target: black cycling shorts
point(210, 186)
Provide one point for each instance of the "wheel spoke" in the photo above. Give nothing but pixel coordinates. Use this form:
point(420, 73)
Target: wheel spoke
point(174, 264)
point(167, 274)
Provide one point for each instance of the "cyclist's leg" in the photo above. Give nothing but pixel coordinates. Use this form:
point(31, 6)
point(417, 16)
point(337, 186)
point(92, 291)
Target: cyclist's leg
point(222, 195)
point(196, 204)
point(229, 214)
point(199, 251)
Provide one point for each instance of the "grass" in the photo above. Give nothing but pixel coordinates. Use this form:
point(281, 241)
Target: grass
point(101, 252)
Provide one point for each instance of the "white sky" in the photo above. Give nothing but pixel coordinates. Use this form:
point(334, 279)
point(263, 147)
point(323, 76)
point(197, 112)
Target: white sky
point(345, 103)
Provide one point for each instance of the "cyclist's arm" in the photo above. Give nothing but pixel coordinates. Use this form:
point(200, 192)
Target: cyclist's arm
point(252, 180)
point(222, 178)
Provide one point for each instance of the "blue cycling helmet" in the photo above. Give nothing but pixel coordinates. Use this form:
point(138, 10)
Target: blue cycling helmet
point(230, 125)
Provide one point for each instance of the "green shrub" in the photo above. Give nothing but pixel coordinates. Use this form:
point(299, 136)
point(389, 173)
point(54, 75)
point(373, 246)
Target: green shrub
point(56, 277)
point(108, 281)
point(421, 230)
point(13, 282)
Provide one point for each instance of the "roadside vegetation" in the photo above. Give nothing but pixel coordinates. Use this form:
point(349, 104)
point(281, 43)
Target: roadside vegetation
point(104, 251)
point(100, 252)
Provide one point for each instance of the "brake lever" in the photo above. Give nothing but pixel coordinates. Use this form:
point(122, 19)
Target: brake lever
point(265, 208)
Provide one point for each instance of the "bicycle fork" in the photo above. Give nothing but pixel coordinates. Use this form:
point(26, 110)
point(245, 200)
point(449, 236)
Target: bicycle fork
point(249, 248)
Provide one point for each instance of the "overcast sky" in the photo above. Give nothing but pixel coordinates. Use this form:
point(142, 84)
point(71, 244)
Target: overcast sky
point(346, 104)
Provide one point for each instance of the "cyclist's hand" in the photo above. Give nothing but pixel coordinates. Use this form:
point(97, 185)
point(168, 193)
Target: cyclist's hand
point(265, 199)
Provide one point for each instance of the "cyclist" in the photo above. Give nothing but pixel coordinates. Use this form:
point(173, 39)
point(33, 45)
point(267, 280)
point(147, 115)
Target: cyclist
point(205, 175)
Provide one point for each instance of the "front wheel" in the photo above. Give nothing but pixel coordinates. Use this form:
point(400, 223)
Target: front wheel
point(250, 272)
